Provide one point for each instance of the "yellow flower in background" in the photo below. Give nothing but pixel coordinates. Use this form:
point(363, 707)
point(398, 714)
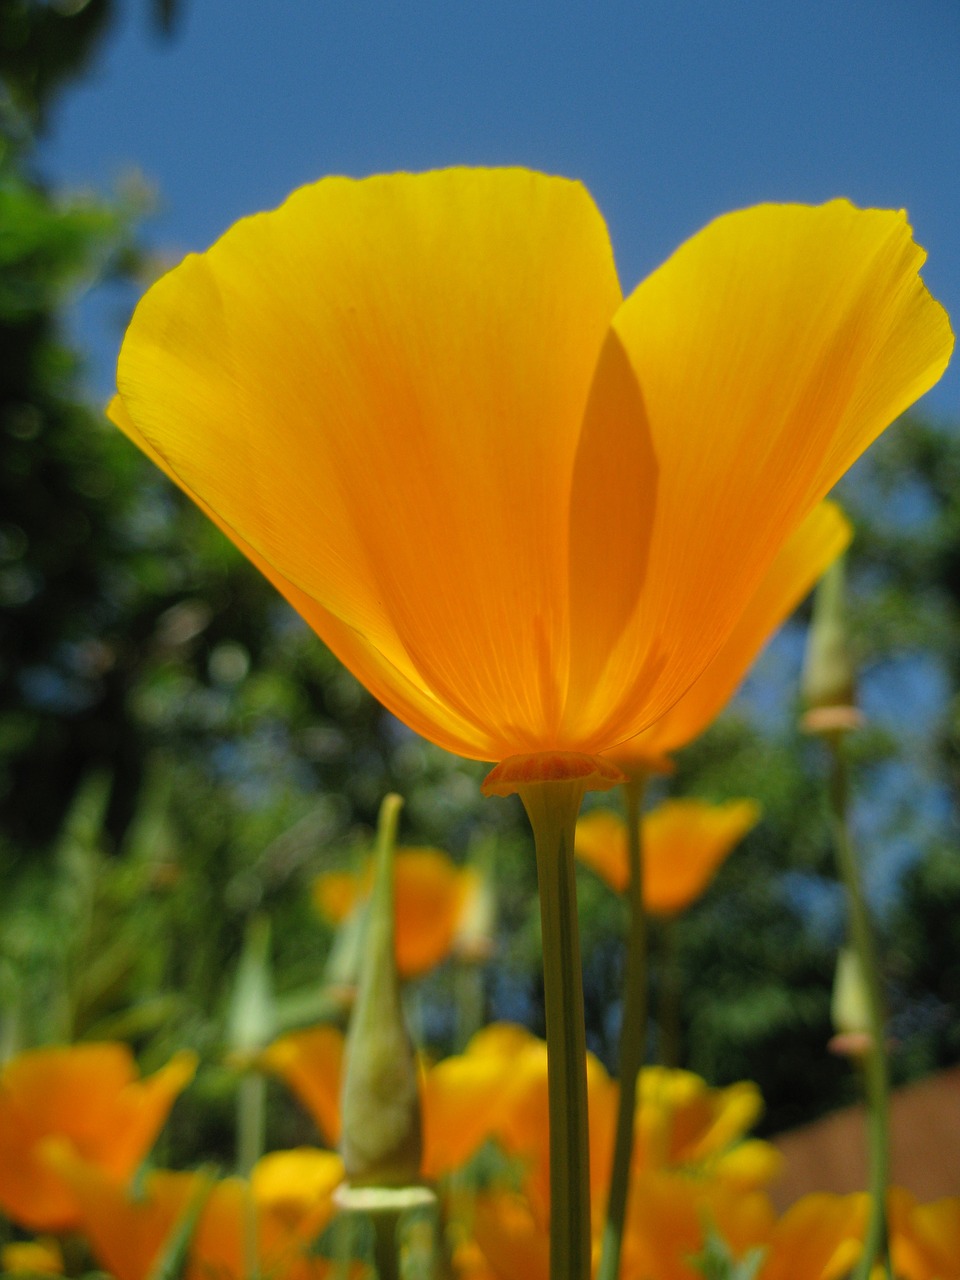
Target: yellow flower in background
point(433, 897)
point(924, 1238)
point(31, 1258)
point(519, 1115)
point(818, 1238)
point(526, 512)
point(682, 1121)
point(310, 1062)
point(668, 1218)
point(292, 1196)
point(497, 1088)
point(89, 1096)
point(684, 844)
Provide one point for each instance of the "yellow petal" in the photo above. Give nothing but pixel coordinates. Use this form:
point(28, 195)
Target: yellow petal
point(680, 1120)
point(310, 1062)
point(430, 890)
point(90, 1096)
point(293, 1192)
point(601, 843)
point(818, 1238)
point(430, 894)
point(823, 536)
point(750, 1165)
point(31, 1258)
point(127, 1233)
point(379, 389)
point(770, 349)
point(460, 1098)
point(414, 705)
point(336, 893)
point(924, 1238)
point(514, 1242)
point(668, 1217)
point(684, 842)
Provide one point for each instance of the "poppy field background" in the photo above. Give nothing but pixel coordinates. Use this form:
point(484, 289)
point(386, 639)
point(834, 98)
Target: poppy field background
point(180, 757)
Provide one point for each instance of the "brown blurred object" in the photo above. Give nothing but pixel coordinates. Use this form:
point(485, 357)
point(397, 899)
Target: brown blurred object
point(831, 1154)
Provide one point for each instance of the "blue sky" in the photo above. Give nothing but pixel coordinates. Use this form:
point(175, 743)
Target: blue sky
point(671, 111)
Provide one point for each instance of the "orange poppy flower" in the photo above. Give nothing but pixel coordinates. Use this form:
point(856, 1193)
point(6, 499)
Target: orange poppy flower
point(90, 1096)
point(497, 1089)
point(684, 843)
point(818, 1238)
point(666, 1228)
point(525, 511)
point(291, 1193)
point(924, 1238)
point(432, 897)
point(310, 1062)
point(810, 550)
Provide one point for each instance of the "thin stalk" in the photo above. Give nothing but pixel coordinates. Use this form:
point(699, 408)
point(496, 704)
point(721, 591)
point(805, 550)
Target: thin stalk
point(251, 1129)
point(251, 1121)
point(633, 1037)
point(875, 1072)
point(552, 808)
point(386, 1245)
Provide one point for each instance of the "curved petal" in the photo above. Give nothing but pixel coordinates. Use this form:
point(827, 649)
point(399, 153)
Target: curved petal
point(429, 892)
point(771, 349)
point(128, 1232)
point(820, 1236)
point(395, 686)
point(824, 535)
point(311, 1064)
point(684, 842)
point(89, 1096)
point(379, 388)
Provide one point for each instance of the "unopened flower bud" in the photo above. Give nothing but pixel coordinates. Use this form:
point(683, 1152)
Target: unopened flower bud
point(850, 1007)
point(380, 1107)
point(828, 683)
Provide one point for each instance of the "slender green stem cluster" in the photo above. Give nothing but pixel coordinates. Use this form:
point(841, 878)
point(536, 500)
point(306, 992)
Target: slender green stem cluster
point(552, 808)
point(633, 1038)
point(876, 1076)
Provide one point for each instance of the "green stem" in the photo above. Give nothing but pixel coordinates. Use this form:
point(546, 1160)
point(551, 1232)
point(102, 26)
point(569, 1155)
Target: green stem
point(386, 1246)
point(251, 1121)
point(251, 1130)
point(633, 1037)
point(552, 808)
point(876, 1078)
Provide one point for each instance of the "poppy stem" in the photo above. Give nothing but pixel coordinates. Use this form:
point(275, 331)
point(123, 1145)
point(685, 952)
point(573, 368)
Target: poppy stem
point(633, 1036)
point(876, 1077)
point(552, 807)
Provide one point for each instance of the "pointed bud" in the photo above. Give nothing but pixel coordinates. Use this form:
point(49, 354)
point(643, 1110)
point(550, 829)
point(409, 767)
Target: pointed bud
point(380, 1107)
point(850, 1007)
point(827, 683)
point(251, 1022)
